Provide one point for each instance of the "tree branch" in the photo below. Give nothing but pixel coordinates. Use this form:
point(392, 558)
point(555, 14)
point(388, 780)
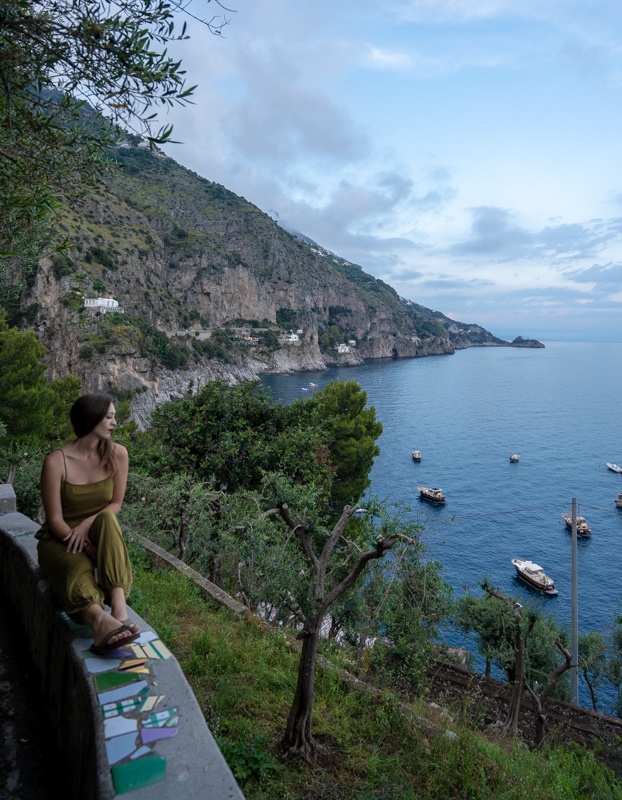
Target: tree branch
point(381, 548)
point(302, 530)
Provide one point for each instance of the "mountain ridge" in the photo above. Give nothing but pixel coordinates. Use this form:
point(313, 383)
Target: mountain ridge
point(211, 287)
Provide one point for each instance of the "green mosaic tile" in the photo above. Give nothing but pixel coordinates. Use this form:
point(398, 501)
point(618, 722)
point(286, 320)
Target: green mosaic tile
point(136, 774)
point(110, 680)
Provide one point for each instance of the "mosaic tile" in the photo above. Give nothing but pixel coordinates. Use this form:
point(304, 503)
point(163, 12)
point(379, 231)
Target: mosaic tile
point(173, 722)
point(136, 774)
point(114, 695)
point(142, 751)
point(149, 735)
point(119, 726)
point(151, 702)
point(132, 663)
point(146, 636)
point(111, 680)
point(96, 665)
point(120, 747)
point(159, 719)
point(155, 649)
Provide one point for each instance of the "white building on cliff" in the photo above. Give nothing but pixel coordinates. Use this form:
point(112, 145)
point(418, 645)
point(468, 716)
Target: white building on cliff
point(103, 304)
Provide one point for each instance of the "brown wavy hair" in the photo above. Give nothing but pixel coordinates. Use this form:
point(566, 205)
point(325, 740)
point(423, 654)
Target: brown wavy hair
point(85, 415)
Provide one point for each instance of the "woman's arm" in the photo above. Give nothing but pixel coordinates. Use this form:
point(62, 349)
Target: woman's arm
point(120, 478)
point(51, 483)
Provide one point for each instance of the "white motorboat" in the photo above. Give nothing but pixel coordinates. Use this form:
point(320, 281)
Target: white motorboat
point(514, 458)
point(614, 467)
point(416, 455)
point(534, 576)
point(434, 495)
point(583, 529)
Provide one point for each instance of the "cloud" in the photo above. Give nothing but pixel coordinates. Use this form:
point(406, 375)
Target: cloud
point(456, 10)
point(389, 59)
point(280, 116)
point(606, 276)
point(493, 232)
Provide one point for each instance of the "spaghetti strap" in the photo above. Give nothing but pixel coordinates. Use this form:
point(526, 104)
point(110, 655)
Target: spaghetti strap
point(64, 462)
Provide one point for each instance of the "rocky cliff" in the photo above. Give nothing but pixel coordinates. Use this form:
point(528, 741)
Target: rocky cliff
point(208, 286)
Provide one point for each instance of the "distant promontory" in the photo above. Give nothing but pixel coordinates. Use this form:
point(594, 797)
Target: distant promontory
point(520, 342)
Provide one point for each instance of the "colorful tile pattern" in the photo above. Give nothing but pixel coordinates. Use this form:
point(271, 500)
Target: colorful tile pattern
point(136, 774)
point(124, 684)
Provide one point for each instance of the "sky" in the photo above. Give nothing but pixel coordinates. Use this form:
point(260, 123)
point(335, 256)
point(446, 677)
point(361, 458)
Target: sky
point(467, 152)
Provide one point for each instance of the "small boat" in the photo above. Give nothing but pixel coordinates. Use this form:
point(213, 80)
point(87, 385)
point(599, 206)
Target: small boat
point(614, 467)
point(434, 495)
point(583, 529)
point(514, 458)
point(416, 455)
point(534, 576)
point(618, 500)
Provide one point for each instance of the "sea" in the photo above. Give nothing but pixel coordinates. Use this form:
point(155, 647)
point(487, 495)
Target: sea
point(559, 408)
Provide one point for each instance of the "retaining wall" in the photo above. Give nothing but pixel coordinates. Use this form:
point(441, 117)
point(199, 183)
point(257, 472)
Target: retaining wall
point(157, 744)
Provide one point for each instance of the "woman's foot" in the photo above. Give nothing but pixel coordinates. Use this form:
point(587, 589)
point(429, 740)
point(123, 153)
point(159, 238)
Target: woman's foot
point(109, 633)
point(133, 626)
point(118, 609)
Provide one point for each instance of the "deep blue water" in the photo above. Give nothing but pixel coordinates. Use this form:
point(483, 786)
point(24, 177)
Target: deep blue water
point(558, 407)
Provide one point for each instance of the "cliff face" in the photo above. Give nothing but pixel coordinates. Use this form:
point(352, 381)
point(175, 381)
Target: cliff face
point(210, 287)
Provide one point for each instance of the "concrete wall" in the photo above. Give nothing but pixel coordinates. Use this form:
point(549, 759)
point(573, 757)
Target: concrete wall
point(195, 767)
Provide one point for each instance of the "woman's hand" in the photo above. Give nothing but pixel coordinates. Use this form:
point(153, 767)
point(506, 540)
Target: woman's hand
point(78, 539)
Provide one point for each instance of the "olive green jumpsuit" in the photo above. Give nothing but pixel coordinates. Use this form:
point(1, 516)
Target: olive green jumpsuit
point(72, 575)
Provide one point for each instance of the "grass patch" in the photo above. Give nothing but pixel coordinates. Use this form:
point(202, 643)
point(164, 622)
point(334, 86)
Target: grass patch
point(244, 678)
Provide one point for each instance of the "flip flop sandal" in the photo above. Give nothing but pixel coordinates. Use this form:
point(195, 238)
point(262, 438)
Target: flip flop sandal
point(106, 646)
point(127, 622)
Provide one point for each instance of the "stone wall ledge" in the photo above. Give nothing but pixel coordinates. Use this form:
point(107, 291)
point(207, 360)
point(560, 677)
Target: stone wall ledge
point(186, 762)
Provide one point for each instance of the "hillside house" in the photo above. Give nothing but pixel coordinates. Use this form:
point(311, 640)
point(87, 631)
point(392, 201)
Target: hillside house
point(103, 305)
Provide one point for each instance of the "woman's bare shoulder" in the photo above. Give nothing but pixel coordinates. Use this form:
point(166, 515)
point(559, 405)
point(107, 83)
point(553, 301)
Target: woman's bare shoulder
point(53, 461)
point(120, 452)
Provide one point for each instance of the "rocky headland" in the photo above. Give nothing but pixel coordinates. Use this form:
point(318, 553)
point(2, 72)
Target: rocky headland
point(207, 287)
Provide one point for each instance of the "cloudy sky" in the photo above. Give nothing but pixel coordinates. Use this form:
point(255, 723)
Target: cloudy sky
point(465, 151)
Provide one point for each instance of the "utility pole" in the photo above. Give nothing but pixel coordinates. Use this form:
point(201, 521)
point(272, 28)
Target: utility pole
point(574, 673)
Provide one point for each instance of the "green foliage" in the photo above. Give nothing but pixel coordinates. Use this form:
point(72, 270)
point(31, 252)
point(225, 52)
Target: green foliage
point(269, 339)
point(27, 455)
point(100, 256)
point(113, 56)
point(62, 265)
point(249, 761)
point(243, 677)
point(286, 318)
point(496, 626)
point(211, 349)
point(28, 404)
point(122, 331)
point(351, 432)
point(593, 662)
point(614, 663)
point(232, 435)
point(417, 600)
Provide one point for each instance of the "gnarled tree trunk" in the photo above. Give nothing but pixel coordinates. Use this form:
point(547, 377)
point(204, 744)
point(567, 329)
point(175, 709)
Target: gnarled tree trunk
point(298, 739)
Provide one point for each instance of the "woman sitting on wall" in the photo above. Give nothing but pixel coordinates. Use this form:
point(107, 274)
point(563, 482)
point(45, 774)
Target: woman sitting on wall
point(82, 486)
